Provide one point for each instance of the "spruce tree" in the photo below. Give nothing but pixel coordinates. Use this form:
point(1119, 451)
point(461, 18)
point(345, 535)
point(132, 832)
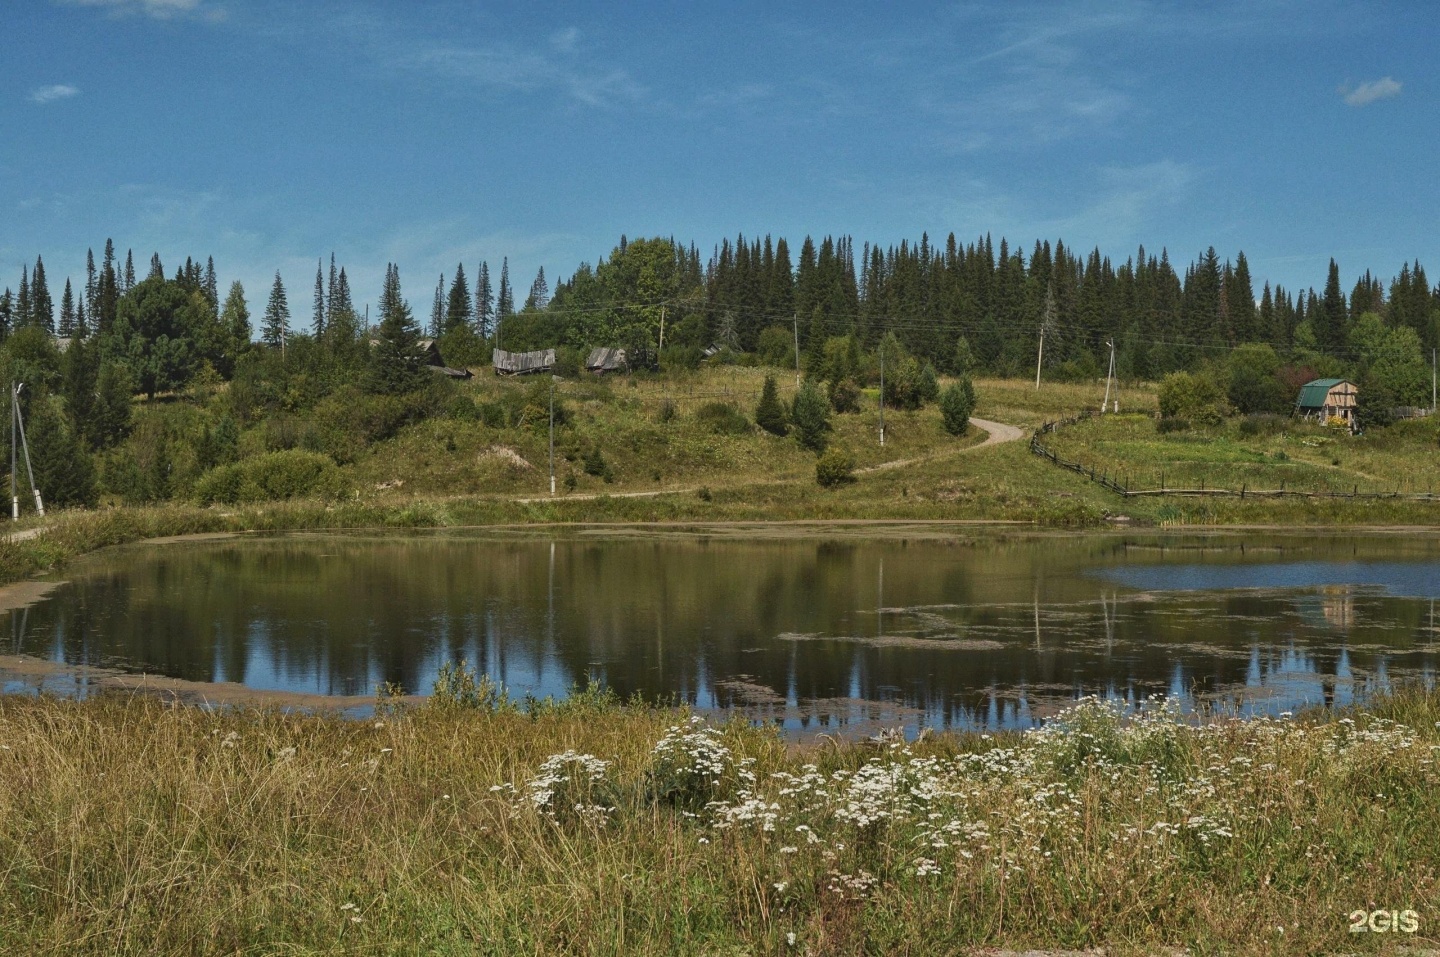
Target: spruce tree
point(66, 328)
point(275, 325)
point(505, 302)
point(107, 296)
point(539, 296)
point(110, 415)
point(330, 291)
point(1240, 302)
point(235, 316)
point(92, 281)
point(7, 313)
point(64, 470)
point(318, 322)
point(210, 286)
point(1330, 320)
point(458, 309)
point(129, 280)
point(810, 416)
point(82, 321)
point(157, 269)
point(22, 301)
point(437, 309)
point(956, 404)
point(79, 367)
point(42, 307)
point(770, 414)
point(397, 364)
point(484, 302)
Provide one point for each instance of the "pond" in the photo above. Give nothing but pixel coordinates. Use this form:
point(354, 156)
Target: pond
point(811, 628)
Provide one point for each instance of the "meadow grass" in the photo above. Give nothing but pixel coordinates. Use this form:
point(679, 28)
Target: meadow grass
point(592, 826)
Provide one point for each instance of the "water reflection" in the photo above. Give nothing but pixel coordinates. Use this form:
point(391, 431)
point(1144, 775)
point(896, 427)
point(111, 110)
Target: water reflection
point(806, 633)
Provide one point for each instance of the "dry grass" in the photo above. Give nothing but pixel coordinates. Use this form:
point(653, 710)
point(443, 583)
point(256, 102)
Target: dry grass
point(128, 826)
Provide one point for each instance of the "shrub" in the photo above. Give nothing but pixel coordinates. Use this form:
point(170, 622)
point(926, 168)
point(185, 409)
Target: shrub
point(1195, 397)
point(276, 475)
point(722, 418)
point(1262, 423)
point(776, 346)
point(596, 465)
point(835, 466)
point(810, 415)
point(1170, 423)
point(666, 412)
point(956, 404)
point(770, 414)
point(845, 396)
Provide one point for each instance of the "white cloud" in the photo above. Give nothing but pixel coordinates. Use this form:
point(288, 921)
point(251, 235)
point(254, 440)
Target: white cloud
point(1367, 93)
point(49, 94)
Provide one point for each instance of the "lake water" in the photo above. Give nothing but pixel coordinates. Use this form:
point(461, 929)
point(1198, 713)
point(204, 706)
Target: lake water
point(938, 627)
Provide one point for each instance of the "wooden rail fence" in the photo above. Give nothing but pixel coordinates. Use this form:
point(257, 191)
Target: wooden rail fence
point(1119, 482)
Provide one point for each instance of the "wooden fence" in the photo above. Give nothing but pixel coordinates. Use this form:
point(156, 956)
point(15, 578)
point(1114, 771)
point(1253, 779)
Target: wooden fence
point(1119, 481)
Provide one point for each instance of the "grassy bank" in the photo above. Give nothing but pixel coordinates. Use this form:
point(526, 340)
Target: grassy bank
point(129, 826)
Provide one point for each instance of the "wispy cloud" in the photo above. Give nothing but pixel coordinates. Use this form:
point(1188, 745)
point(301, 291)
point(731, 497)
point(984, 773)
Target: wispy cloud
point(156, 9)
point(1369, 92)
point(49, 94)
point(565, 40)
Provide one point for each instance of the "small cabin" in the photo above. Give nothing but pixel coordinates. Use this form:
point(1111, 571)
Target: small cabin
point(1326, 399)
point(430, 349)
point(523, 363)
point(601, 361)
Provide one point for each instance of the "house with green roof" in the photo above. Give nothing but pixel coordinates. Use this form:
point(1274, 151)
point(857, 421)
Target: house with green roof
point(1328, 400)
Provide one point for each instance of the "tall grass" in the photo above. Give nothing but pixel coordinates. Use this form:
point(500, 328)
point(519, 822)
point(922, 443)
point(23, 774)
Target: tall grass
point(129, 826)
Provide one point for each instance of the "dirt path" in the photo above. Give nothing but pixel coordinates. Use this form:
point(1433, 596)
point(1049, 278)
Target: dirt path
point(998, 432)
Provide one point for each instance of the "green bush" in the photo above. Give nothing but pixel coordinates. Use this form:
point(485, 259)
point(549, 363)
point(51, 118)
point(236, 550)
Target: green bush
point(1195, 397)
point(776, 346)
point(722, 418)
point(956, 404)
point(1171, 423)
point(845, 396)
point(835, 466)
point(278, 475)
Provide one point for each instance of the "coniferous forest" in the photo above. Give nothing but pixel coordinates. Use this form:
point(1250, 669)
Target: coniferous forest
point(980, 308)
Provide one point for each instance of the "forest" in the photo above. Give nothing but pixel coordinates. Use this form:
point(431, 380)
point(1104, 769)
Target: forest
point(146, 389)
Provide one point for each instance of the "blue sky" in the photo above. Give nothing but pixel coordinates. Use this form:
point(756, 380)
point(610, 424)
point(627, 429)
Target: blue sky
point(431, 132)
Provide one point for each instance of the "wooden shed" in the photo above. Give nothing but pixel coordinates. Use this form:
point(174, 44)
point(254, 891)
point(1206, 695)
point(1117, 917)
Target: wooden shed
point(1326, 399)
point(602, 360)
point(523, 363)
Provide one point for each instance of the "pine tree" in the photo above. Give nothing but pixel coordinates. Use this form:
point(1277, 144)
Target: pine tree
point(42, 307)
point(66, 329)
point(539, 296)
point(318, 323)
point(484, 302)
point(275, 325)
point(505, 302)
point(157, 269)
point(397, 364)
point(7, 313)
point(458, 310)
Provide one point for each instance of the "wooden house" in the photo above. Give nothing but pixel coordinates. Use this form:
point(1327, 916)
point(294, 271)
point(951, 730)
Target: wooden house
point(602, 360)
point(523, 363)
point(1327, 399)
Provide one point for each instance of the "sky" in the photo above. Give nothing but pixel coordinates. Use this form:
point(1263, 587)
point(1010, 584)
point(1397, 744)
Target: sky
point(269, 133)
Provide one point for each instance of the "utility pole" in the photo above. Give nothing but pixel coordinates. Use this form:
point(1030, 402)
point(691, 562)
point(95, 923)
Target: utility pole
point(1109, 374)
point(796, 319)
point(14, 435)
point(552, 436)
point(29, 469)
point(1040, 357)
point(882, 393)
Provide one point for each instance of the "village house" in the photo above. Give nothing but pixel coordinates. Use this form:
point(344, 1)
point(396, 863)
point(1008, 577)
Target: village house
point(1325, 400)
